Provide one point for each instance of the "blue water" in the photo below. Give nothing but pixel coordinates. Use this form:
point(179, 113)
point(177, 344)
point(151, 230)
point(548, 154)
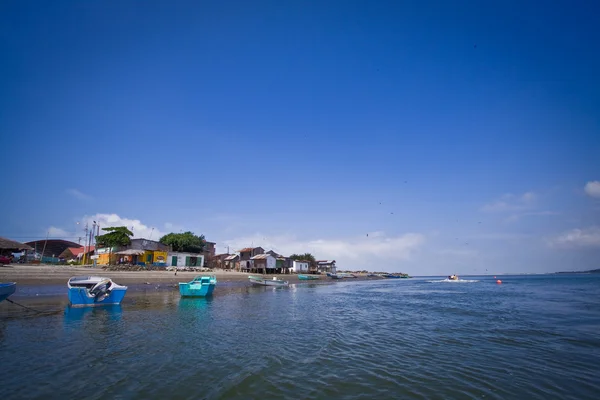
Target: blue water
point(532, 337)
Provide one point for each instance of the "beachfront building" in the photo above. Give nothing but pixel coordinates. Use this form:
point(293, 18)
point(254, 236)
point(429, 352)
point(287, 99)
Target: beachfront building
point(246, 264)
point(77, 253)
point(283, 265)
point(300, 266)
point(325, 266)
point(181, 260)
point(265, 263)
point(210, 249)
point(218, 261)
point(139, 252)
point(231, 262)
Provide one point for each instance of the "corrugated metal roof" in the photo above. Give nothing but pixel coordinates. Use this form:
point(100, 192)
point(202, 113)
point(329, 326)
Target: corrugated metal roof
point(261, 257)
point(231, 257)
point(246, 249)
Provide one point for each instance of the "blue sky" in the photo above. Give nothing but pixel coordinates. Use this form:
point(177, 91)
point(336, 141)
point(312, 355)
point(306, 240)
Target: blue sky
point(461, 137)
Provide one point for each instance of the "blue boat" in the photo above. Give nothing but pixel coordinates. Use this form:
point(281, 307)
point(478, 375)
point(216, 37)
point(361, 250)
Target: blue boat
point(307, 277)
point(6, 289)
point(91, 291)
point(200, 286)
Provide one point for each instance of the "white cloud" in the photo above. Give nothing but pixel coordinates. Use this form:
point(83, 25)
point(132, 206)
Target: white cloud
point(57, 233)
point(511, 202)
point(139, 229)
point(592, 189)
point(586, 237)
point(78, 194)
point(373, 251)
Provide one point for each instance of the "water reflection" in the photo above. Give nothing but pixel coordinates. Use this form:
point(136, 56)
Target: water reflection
point(195, 303)
point(105, 313)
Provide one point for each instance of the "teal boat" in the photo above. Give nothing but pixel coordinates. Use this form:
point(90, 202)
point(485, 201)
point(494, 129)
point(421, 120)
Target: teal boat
point(200, 286)
point(308, 277)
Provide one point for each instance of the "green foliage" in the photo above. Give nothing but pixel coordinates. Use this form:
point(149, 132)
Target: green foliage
point(116, 236)
point(186, 242)
point(303, 257)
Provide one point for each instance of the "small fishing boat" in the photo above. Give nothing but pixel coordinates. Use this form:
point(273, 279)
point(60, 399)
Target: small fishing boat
point(200, 286)
point(345, 275)
point(90, 291)
point(334, 276)
point(6, 289)
point(453, 277)
point(266, 282)
point(307, 277)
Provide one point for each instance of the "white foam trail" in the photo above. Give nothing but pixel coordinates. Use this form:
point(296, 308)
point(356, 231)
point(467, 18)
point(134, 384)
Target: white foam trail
point(455, 281)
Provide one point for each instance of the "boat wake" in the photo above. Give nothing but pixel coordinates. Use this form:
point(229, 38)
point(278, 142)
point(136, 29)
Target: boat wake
point(454, 281)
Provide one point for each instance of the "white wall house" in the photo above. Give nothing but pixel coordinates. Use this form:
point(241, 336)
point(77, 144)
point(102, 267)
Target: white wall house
point(180, 260)
point(325, 266)
point(299, 266)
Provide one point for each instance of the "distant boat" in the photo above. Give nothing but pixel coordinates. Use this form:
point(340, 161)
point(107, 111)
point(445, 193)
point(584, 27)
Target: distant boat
point(453, 277)
point(307, 277)
point(345, 275)
point(6, 289)
point(256, 280)
point(334, 276)
point(200, 286)
point(90, 291)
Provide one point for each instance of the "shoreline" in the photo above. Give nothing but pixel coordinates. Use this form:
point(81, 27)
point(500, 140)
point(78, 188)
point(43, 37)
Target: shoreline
point(25, 274)
point(46, 284)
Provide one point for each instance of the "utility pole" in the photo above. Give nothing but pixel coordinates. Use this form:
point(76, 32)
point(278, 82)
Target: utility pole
point(85, 243)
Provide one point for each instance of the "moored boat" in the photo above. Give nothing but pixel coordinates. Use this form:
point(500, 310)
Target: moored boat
point(200, 286)
point(90, 291)
point(6, 289)
point(266, 282)
point(307, 277)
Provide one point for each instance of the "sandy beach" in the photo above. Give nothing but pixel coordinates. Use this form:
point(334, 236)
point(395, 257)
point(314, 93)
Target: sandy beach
point(60, 274)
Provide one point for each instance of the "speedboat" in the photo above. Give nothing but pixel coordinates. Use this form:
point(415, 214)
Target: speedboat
point(453, 277)
point(6, 289)
point(90, 291)
point(307, 277)
point(256, 280)
point(200, 286)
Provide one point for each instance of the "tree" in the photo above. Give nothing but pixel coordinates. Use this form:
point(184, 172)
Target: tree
point(304, 257)
point(185, 242)
point(116, 236)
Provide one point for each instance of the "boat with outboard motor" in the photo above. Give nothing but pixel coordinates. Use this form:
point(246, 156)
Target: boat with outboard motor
point(257, 280)
point(200, 286)
point(90, 291)
point(308, 277)
point(6, 289)
point(453, 278)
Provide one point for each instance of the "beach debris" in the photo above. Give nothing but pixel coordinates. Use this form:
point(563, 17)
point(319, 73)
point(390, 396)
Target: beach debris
point(147, 283)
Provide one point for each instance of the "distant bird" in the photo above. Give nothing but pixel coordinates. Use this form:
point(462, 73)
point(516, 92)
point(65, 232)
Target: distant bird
point(367, 235)
point(479, 221)
point(405, 181)
point(391, 213)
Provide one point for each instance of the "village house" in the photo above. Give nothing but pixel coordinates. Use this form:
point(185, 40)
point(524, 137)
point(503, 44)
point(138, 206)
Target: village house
point(181, 260)
point(325, 266)
point(209, 250)
point(246, 263)
point(231, 262)
point(300, 266)
point(77, 253)
point(218, 261)
point(138, 252)
point(265, 263)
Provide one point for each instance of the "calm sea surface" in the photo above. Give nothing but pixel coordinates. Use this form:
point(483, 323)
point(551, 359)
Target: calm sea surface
point(533, 337)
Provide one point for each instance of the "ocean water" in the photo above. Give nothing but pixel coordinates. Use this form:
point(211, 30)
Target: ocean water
point(532, 337)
